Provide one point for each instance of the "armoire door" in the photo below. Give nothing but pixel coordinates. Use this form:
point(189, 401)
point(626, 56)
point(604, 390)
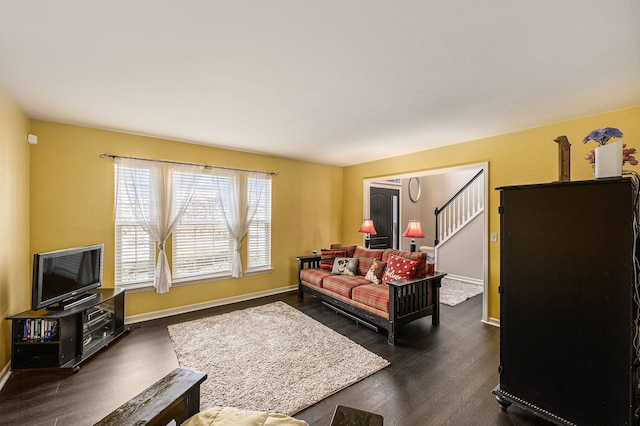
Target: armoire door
point(567, 299)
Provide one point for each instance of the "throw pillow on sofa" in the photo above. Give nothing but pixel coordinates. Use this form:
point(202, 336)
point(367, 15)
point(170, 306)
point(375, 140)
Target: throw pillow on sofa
point(398, 268)
point(375, 272)
point(328, 256)
point(418, 256)
point(349, 249)
point(365, 258)
point(345, 266)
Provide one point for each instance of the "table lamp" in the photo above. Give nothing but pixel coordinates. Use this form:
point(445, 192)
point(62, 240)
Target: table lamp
point(368, 229)
point(414, 230)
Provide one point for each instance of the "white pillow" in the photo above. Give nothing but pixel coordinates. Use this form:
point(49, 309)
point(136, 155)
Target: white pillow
point(345, 266)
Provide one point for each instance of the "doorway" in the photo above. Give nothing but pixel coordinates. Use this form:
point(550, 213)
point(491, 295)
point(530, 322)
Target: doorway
point(397, 181)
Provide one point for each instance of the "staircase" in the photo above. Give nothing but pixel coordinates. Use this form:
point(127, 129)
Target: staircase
point(461, 209)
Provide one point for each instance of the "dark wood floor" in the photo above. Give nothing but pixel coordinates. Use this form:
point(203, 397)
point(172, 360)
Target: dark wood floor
point(437, 376)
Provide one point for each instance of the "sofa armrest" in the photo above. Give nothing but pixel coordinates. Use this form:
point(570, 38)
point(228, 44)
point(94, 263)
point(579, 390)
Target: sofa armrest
point(410, 298)
point(435, 276)
point(308, 262)
point(174, 397)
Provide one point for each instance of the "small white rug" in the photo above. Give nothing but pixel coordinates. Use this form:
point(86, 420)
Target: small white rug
point(454, 292)
point(270, 358)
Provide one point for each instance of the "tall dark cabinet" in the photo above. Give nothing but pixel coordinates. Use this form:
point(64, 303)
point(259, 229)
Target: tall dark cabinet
point(567, 306)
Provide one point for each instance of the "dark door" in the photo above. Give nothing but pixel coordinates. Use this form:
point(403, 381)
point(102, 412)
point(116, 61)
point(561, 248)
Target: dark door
point(384, 207)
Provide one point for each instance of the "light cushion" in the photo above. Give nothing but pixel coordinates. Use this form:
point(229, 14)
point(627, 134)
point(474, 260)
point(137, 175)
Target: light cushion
point(328, 256)
point(420, 257)
point(226, 416)
point(399, 268)
point(345, 266)
point(376, 271)
point(365, 258)
point(349, 249)
point(373, 295)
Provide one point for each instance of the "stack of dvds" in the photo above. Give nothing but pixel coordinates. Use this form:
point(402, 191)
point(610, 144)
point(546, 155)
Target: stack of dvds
point(39, 329)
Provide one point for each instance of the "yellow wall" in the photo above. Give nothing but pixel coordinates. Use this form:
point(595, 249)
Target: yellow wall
point(15, 265)
point(527, 156)
point(72, 199)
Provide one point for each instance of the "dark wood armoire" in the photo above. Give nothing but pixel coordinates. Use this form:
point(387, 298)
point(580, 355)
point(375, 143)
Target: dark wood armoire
point(567, 308)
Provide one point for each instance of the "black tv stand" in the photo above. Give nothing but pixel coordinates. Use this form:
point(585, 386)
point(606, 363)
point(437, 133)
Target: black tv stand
point(67, 337)
point(71, 302)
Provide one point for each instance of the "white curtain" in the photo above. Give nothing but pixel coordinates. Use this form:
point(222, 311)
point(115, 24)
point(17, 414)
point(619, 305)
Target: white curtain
point(159, 204)
point(239, 201)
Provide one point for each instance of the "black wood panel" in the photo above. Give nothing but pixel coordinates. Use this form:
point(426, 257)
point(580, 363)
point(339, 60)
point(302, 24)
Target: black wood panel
point(566, 299)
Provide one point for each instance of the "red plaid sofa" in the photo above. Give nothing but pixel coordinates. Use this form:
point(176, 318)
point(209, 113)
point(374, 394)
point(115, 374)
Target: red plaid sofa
point(387, 306)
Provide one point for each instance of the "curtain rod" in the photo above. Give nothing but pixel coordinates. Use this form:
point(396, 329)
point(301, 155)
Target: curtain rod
point(105, 155)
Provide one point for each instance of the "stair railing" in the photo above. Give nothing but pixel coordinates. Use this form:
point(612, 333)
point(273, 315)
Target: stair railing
point(460, 209)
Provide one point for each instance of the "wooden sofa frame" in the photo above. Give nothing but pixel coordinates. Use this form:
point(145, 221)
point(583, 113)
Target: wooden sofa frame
point(408, 300)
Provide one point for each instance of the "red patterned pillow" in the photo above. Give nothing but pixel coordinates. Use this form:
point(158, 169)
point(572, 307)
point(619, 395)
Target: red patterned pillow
point(328, 256)
point(366, 257)
point(350, 249)
point(418, 256)
point(398, 268)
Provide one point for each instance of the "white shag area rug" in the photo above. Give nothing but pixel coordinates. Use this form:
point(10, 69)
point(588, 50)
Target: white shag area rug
point(454, 292)
point(269, 358)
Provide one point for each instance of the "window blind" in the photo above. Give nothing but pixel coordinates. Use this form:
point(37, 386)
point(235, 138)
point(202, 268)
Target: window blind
point(135, 254)
point(259, 235)
point(201, 242)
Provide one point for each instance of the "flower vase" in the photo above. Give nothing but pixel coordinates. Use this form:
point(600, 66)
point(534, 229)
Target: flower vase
point(609, 160)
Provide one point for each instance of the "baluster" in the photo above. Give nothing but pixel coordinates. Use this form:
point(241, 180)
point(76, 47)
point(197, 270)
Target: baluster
point(472, 192)
point(454, 206)
point(468, 196)
point(453, 219)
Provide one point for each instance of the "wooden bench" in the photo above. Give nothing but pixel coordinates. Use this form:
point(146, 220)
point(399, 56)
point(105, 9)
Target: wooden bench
point(174, 397)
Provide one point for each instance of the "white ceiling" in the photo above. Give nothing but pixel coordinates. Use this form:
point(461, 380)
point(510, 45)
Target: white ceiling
point(328, 81)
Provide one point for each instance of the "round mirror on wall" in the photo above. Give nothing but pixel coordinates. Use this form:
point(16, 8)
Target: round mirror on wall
point(414, 189)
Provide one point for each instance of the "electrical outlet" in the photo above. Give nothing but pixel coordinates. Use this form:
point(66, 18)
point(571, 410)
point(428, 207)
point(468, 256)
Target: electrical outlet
point(494, 237)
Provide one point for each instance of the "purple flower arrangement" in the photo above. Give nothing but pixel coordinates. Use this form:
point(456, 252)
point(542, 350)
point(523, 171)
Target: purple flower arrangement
point(602, 136)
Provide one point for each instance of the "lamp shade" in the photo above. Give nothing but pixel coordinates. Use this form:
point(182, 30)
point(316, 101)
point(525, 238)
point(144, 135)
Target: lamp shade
point(367, 227)
point(414, 230)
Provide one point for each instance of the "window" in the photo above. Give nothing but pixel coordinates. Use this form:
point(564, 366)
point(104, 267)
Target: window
point(202, 246)
point(135, 250)
point(259, 236)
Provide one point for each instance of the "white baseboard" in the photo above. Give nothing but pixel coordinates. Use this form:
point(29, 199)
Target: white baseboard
point(205, 305)
point(5, 374)
point(492, 321)
point(469, 280)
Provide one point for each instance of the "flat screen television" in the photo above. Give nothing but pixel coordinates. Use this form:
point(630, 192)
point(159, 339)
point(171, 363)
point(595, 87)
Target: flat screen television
point(63, 278)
